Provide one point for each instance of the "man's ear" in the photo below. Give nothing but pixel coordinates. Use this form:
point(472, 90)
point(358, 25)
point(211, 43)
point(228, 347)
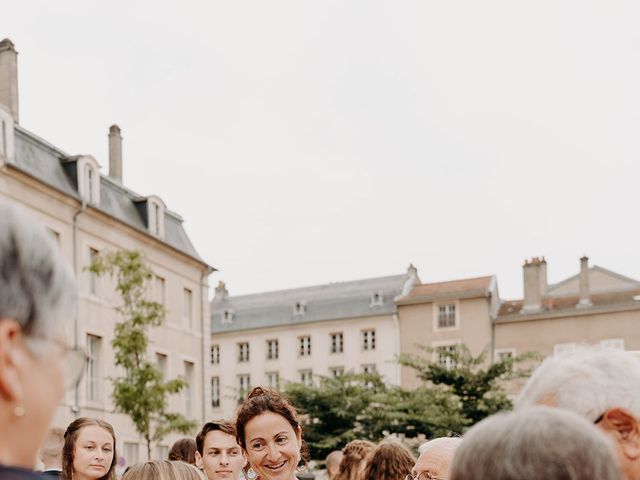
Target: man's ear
point(199, 463)
point(625, 428)
point(10, 349)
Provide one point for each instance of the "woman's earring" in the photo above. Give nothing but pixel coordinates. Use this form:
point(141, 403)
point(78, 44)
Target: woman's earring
point(251, 474)
point(19, 411)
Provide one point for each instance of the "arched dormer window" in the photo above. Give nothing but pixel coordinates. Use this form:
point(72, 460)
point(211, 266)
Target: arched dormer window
point(155, 216)
point(89, 179)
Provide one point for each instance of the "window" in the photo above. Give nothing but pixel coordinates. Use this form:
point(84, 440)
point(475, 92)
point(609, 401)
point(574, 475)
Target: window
point(161, 361)
point(447, 315)
point(162, 452)
point(93, 277)
point(93, 368)
point(159, 289)
point(337, 343)
point(130, 453)
point(377, 299)
point(188, 389)
point(502, 353)
point(336, 372)
point(306, 377)
point(215, 392)
point(215, 354)
point(368, 339)
point(305, 346)
point(272, 349)
point(187, 307)
point(155, 216)
point(613, 343)
point(273, 380)
point(243, 352)
point(227, 316)
point(88, 179)
point(244, 383)
point(370, 368)
point(300, 308)
point(563, 348)
point(443, 355)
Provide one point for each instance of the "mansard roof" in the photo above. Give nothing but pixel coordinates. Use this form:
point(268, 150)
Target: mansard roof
point(332, 301)
point(45, 163)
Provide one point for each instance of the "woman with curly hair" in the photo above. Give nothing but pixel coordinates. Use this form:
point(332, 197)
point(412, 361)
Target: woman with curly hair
point(356, 453)
point(390, 461)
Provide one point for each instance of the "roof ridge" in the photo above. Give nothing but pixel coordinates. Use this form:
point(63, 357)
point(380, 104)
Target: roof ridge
point(456, 280)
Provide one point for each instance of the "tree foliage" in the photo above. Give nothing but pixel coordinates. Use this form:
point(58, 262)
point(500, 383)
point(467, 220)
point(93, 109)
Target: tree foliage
point(361, 406)
point(478, 384)
point(141, 393)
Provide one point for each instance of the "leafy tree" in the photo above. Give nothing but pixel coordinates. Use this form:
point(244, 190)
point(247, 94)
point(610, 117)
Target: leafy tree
point(361, 406)
point(142, 392)
point(478, 384)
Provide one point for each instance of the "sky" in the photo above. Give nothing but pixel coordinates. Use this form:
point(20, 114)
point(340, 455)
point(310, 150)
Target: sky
point(307, 142)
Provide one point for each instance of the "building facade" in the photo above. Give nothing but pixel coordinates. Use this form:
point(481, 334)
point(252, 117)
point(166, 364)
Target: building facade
point(295, 335)
point(87, 213)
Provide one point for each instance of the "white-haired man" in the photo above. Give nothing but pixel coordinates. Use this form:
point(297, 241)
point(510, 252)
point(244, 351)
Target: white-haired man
point(600, 385)
point(435, 459)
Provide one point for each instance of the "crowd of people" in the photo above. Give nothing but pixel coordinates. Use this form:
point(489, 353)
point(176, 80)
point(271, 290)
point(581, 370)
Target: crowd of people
point(578, 416)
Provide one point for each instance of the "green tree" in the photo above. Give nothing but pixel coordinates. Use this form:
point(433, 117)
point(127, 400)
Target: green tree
point(478, 384)
point(360, 406)
point(141, 393)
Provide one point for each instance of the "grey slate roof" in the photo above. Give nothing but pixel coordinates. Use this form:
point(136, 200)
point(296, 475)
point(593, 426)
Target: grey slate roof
point(333, 301)
point(44, 162)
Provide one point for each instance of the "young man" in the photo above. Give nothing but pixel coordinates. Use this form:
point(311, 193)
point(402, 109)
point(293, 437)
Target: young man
point(218, 453)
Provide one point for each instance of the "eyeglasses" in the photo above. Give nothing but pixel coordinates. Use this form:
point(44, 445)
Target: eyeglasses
point(423, 476)
point(75, 360)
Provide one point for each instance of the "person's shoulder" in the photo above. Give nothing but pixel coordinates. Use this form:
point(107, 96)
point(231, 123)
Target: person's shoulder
point(15, 473)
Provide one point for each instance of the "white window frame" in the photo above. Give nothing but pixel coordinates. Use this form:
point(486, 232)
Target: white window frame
point(155, 216)
point(214, 352)
point(273, 349)
point(243, 389)
point(500, 351)
point(304, 346)
point(161, 452)
point(273, 380)
point(94, 278)
point(564, 348)
point(163, 369)
point(368, 337)
point(160, 290)
point(300, 308)
point(227, 316)
point(187, 307)
point(335, 372)
point(94, 368)
point(369, 368)
point(131, 448)
point(244, 352)
point(306, 377)
point(189, 368)
point(89, 179)
point(215, 392)
point(444, 343)
point(612, 343)
point(337, 341)
point(377, 299)
point(436, 316)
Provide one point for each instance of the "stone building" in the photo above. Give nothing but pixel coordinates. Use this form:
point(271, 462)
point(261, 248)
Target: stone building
point(87, 213)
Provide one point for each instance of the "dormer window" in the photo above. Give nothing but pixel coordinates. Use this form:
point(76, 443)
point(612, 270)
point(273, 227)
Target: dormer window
point(299, 308)
point(227, 316)
point(89, 179)
point(155, 216)
point(377, 299)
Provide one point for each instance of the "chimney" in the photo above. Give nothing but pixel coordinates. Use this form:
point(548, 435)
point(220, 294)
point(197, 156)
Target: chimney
point(535, 284)
point(221, 292)
point(115, 153)
point(9, 77)
point(585, 300)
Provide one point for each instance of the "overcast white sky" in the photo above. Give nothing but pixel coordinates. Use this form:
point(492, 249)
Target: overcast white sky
point(306, 142)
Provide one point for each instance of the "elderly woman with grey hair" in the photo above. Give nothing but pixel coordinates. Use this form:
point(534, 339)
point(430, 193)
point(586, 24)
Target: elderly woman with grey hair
point(532, 444)
point(37, 294)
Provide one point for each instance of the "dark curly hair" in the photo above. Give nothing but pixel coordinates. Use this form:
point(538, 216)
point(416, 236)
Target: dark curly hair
point(390, 461)
point(261, 400)
point(70, 437)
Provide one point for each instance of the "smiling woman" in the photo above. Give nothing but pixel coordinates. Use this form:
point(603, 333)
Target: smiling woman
point(270, 434)
point(89, 451)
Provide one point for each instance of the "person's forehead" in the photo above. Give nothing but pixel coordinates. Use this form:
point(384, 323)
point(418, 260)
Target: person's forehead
point(94, 433)
point(219, 439)
point(268, 424)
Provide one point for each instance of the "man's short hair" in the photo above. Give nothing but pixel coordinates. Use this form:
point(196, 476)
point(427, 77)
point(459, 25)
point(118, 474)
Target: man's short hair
point(533, 443)
point(588, 381)
point(447, 443)
point(52, 445)
point(222, 425)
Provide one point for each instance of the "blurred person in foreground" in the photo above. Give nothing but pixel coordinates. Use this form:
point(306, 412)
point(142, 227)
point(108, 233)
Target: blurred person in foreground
point(601, 385)
point(183, 450)
point(218, 453)
point(355, 456)
point(89, 451)
point(163, 470)
point(332, 463)
point(532, 444)
point(389, 461)
point(434, 462)
point(37, 295)
point(51, 453)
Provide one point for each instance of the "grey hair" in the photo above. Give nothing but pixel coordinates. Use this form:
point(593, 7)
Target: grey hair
point(37, 287)
point(534, 443)
point(446, 443)
point(588, 381)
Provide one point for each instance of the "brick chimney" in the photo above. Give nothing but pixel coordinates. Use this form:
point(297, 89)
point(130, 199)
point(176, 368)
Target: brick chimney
point(585, 298)
point(535, 284)
point(9, 77)
point(115, 153)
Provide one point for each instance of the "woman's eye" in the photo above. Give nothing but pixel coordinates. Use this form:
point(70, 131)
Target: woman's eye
point(281, 440)
point(257, 446)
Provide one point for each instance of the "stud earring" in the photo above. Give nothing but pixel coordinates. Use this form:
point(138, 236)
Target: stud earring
point(18, 411)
